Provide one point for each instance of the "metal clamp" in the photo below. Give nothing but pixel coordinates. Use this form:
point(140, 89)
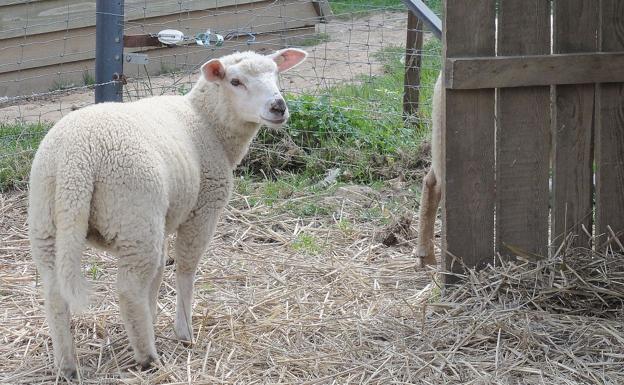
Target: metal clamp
point(205, 39)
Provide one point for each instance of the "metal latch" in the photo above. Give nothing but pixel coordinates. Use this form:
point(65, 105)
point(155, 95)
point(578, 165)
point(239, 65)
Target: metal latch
point(136, 58)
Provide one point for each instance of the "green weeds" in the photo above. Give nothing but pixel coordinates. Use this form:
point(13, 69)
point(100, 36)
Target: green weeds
point(18, 143)
point(87, 78)
point(307, 243)
point(60, 85)
point(359, 126)
point(314, 40)
point(358, 8)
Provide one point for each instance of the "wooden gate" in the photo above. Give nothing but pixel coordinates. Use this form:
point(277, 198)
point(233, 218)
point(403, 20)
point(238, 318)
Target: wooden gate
point(519, 88)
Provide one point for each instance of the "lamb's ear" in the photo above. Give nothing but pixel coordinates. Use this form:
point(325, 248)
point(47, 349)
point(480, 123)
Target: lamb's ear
point(213, 70)
point(288, 58)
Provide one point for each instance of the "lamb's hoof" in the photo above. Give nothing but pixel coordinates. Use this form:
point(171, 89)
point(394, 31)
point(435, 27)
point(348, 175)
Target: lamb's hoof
point(169, 262)
point(69, 373)
point(425, 258)
point(424, 262)
point(183, 334)
point(148, 364)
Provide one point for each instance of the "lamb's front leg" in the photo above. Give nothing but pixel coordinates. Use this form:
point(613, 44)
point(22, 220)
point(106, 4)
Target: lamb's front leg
point(191, 243)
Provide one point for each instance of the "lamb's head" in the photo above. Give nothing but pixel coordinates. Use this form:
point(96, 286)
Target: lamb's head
point(249, 83)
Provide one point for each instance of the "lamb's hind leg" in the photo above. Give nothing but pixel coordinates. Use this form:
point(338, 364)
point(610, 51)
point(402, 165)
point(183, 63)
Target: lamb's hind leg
point(138, 267)
point(191, 244)
point(156, 281)
point(429, 202)
point(56, 308)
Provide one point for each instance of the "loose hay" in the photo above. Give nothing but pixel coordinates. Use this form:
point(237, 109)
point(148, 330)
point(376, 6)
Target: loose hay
point(349, 311)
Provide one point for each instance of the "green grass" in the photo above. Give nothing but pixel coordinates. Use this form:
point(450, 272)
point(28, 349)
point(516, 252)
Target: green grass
point(276, 190)
point(59, 85)
point(167, 69)
point(18, 143)
point(314, 40)
point(431, 64)
point(358, 8)
point(346, 226)
point(87, 78)
point(348, 8)
point(307, 243)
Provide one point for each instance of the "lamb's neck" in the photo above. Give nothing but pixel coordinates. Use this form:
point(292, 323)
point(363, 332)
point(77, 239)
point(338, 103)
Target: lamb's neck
point(236, 139)
point(234, 134)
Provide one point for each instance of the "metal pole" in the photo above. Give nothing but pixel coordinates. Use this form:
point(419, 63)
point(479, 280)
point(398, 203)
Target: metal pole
point(109, 22)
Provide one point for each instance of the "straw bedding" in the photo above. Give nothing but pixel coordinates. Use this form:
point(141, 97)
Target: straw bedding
point(336, 306)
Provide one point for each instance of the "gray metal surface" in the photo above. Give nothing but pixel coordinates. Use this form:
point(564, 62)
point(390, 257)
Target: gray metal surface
point(136, 58)
point(109, 50)
point(430, 19)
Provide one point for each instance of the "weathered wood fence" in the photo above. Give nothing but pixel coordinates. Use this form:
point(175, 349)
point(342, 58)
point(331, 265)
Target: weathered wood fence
point(47, 44)
point(517, 91)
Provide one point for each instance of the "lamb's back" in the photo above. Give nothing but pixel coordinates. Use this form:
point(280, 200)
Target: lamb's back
point(128, 149)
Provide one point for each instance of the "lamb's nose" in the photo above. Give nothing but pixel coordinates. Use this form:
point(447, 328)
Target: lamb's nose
point(278, 107)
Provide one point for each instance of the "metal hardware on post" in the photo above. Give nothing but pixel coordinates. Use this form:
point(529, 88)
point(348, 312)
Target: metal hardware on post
point(136, 58)
point(109, 40)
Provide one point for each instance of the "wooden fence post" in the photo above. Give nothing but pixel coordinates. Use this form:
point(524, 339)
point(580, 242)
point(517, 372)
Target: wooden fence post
point(468, 143)
point(523, 137)
point(413, 61)
point(575, 29)
point(609, 152)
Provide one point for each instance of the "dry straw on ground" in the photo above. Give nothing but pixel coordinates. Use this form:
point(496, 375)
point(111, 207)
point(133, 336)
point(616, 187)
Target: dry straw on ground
point(283, 299)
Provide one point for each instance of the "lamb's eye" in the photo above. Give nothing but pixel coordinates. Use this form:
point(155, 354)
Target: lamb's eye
point(235, 82)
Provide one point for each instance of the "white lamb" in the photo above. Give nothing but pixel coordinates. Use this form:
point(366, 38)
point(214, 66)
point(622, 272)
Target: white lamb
point(123, 176)
point(432, 183)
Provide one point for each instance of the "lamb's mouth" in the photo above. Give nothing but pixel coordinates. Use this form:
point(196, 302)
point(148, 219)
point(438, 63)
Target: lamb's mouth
point(273, 121)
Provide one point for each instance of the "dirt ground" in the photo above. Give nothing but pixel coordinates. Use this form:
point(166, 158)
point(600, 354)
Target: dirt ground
point(331, 295)
point(283, 296)
point(348, 53)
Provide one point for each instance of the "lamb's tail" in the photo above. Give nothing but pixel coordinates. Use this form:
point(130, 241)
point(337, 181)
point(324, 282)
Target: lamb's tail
point(72, 205)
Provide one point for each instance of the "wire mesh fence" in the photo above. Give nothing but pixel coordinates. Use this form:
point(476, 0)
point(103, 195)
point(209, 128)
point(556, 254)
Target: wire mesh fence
point(346, 99)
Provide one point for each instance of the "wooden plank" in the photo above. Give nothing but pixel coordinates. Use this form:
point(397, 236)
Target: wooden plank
point(35, 17)
point(575, 30)
point(534, 70)
point(145, 40)
point(79, 44)
point(523, 137)
point(323, 10)
point(4, 3)
point(413, 59)
point(609, 152)
point(468, 137)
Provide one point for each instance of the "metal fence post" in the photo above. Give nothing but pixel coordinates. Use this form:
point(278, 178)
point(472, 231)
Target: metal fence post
point(109, 23)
